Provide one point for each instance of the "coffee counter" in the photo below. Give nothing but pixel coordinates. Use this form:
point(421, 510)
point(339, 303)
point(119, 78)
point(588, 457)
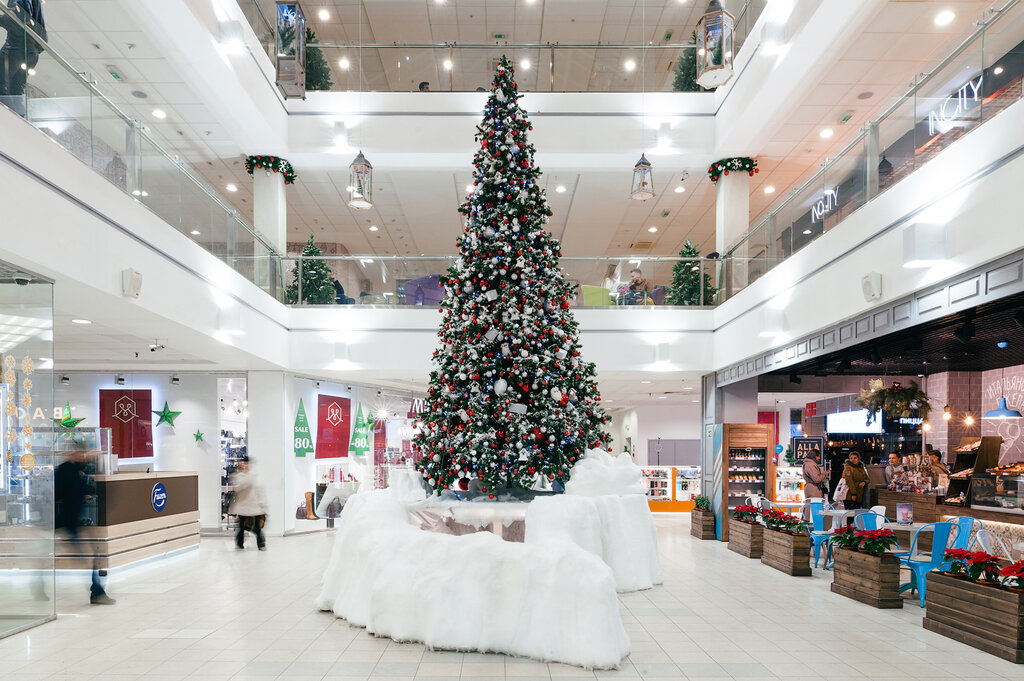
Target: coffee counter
point(136, 516)
point(927, 507)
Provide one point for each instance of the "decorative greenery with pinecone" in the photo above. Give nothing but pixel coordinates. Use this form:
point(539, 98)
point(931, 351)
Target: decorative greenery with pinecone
point(317, 280)
point(271, 164)
point(687, 279)
point(318, 73)
point(897, 400)
point(735, 164)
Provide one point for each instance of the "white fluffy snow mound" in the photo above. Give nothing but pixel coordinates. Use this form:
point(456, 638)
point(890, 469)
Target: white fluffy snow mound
point(617, 528)
point(406, 484)
point(598, 472)
point(552, 602)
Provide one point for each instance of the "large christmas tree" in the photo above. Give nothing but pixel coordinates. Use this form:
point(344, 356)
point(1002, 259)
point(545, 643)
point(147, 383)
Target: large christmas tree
point(510, 400)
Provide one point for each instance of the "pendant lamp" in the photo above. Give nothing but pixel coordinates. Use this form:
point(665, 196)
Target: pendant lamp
point(1002, 411)
point(361, 183)
point(643, 181)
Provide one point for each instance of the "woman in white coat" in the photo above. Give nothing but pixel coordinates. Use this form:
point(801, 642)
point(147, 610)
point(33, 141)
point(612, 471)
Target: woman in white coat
point(248, 504)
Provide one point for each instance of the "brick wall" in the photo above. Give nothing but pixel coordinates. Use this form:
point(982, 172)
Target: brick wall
point(1008, 383)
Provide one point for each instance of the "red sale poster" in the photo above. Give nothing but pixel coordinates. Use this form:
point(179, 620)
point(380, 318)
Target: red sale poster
point(129, 415)
point(333, 426)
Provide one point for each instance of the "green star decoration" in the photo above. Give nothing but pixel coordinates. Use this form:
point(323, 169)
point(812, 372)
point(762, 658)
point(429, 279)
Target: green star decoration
point(65, 420)
point(198, 435)
point(166, 415)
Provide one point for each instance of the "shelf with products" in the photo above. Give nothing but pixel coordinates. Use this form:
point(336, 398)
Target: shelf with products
point(789, 485)
point(748, 468)
point(971, 461)
point(671, 488)
point(687, 483)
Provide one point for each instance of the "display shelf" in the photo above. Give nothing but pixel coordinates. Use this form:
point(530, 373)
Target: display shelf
point(789, 485)
point(671, 488)
point(969, 461)
point(748, 470)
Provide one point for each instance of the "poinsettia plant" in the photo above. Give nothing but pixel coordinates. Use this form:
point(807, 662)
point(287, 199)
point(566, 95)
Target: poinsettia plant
point(743, 164)
point(876, 542)
point(774, 518)
point(746, 513)
point(1013, 575)
point(274, 164)
point(957, 560)
point(983, 566)
point(846, 537)
point(897, 400)
point(796, 524)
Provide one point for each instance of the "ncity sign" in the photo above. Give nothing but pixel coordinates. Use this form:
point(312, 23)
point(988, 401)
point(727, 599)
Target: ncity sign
point(944, 117)
point(825, 205)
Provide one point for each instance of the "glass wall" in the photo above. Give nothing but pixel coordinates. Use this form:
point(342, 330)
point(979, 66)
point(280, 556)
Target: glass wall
point(27, 594)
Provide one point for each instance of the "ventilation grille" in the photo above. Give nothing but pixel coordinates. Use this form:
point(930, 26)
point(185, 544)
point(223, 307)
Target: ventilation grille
point(642, 245)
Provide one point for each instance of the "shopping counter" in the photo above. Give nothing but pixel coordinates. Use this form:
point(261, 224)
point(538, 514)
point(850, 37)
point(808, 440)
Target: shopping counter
point(136, 516)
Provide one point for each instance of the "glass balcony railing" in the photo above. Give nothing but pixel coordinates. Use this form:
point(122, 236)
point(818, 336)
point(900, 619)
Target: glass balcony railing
point(66, 106)
point(981, 78)
point(416, 281)
point(461, 66)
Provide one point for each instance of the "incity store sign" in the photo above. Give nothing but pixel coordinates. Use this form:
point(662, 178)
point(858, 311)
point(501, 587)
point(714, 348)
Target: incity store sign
point(825, 205)
point(944, 117)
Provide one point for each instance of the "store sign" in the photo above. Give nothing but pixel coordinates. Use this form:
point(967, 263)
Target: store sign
point(363, 432)
point(910, 421)
point(417, 406)
point(127, 414)
point(802, 446)
point(333, 426)
point(825, 205)
point(811, 409)
point(302, 440)
point(159, 497)
point(944, 117)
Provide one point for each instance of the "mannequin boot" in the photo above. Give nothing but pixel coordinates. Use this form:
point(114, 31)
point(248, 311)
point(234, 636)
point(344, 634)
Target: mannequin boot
point(309, 507)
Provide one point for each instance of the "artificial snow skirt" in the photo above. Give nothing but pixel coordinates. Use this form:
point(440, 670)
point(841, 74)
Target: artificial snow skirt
point(550, 601)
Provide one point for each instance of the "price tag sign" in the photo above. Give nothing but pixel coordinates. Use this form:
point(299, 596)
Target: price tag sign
point(363, 432)
point(303, 441)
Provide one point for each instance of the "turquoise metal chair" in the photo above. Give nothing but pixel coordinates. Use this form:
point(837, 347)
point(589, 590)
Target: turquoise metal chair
point(869, 520)
point(962, 540)
point(921, 564)
point(819, 535)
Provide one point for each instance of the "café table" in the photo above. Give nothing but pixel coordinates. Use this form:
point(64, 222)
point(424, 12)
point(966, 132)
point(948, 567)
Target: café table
point(838, 517)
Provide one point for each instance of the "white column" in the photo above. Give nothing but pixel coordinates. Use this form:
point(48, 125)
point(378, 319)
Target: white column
point(270, 208)
point(732, 220)
point(270, 441)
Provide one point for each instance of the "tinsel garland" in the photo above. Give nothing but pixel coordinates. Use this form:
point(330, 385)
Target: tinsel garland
point(727, 165)
point(274, 163)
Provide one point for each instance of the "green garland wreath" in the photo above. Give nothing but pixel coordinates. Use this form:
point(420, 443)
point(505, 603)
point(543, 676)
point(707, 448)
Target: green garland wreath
point(897, 400)
point(274, 163)
point(735, 164)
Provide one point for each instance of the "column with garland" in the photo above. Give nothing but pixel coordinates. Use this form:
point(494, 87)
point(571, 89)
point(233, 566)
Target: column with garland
point(510, 399)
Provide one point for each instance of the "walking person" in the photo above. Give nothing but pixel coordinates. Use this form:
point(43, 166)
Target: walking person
point(70, 487)
point(856, 477)
point(248, 504)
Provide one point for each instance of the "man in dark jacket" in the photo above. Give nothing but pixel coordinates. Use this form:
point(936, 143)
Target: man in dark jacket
point(20, 52)
point(70, 487)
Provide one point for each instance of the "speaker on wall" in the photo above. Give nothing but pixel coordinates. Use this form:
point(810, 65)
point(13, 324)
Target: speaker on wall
point(871, 285)
point(131, 283)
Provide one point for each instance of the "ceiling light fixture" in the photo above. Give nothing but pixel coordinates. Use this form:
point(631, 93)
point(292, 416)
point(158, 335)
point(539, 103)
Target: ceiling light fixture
point(807, 231)
point(944, 18)
point(997, 70)
point(947, 413)
point(447, 64)
point(361, 181)
point(343, 63)
point(81, 321)
point(652, 230)
point(629, 65)
point(560, 189)
point(769, 189)
point(324, 15)
point(231, 188)
point(159, 113)
point(645, 382)
point(643, 180)
point(374, 228)
point(1002, 344)
point(826, 133)
point(194, 232)
point(524, 64)
point(1002, 411)
point(662, 397)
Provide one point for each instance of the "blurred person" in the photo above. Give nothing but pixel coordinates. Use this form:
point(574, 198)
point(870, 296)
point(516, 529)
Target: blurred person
point(937, 467)
point(856, 477)
point(71, 485)
point(248, 504)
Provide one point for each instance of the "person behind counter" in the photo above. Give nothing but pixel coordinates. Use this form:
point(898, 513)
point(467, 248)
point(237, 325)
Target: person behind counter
point(856, 477)
point(814, 477)
point(937, 468)
point(893, 469)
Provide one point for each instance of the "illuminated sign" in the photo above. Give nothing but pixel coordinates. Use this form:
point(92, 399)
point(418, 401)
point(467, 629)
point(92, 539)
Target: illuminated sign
point(944, 117)
point(825, 205)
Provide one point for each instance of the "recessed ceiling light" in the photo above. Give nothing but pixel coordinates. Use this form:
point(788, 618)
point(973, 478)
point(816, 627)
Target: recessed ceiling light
point(782, 401)
point(687, 387)
point(231, 188)
point(373, 228)
point(645, 381)
point(695, 400)
point(652, 230)
point(867, 94)
point(530, 2)
point(159, 113)
point(348, 189)
point(139, 94)
point(826, 133)
point(560, 189)
point(324, 15)
point(343, 63)
point(629, 64)
point(524, 64)
point(997, 70)
point(447, 64)
point(680, 189)
point(662, 397)
point(80, 321)
point(1002, 344)
point(769, 189)
point(194, 232)
point(470, 188)
point(807, 231)
point(944, 18)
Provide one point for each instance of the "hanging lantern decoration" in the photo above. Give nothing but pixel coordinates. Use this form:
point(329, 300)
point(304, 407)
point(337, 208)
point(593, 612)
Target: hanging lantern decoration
point(714, 46)
point(643, 180)
point(360, 183)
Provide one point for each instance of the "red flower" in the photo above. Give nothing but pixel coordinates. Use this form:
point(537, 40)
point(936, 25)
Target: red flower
point(980, 557)
point(1013, 570)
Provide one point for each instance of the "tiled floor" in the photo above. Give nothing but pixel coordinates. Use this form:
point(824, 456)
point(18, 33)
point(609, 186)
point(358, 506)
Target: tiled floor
point(221, 614)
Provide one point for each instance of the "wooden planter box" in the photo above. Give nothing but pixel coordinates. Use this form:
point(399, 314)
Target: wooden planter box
point(787, 552)
point(702, 524)
point(984, 617)
point(746, 539)
point(874, 580)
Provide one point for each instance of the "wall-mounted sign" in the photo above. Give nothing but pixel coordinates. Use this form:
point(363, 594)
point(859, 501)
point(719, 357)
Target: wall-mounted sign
point(302, 439)
point(127, 414)
point(158, 497)
point(825, 205)
point(944, 117)
point(910, 421)
point(363, 431)
point(802, 446)
point(333, 426)
point(811, 409)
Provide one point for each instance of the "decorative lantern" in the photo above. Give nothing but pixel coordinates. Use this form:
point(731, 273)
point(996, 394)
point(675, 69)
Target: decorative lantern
point(360, 183)
point(714, 46)
point(290, 52)
point(643, 181)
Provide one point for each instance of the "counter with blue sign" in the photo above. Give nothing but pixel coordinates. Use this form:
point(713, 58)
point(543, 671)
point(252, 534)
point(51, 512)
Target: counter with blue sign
point(140, 515)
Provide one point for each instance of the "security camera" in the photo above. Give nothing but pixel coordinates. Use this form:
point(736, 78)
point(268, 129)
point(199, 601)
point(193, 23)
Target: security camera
point(157, 348)
point(22, 279)
point(316, 384)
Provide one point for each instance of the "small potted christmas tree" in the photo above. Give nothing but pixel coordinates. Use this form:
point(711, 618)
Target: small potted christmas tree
point(688, 278)
point(317, 281)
